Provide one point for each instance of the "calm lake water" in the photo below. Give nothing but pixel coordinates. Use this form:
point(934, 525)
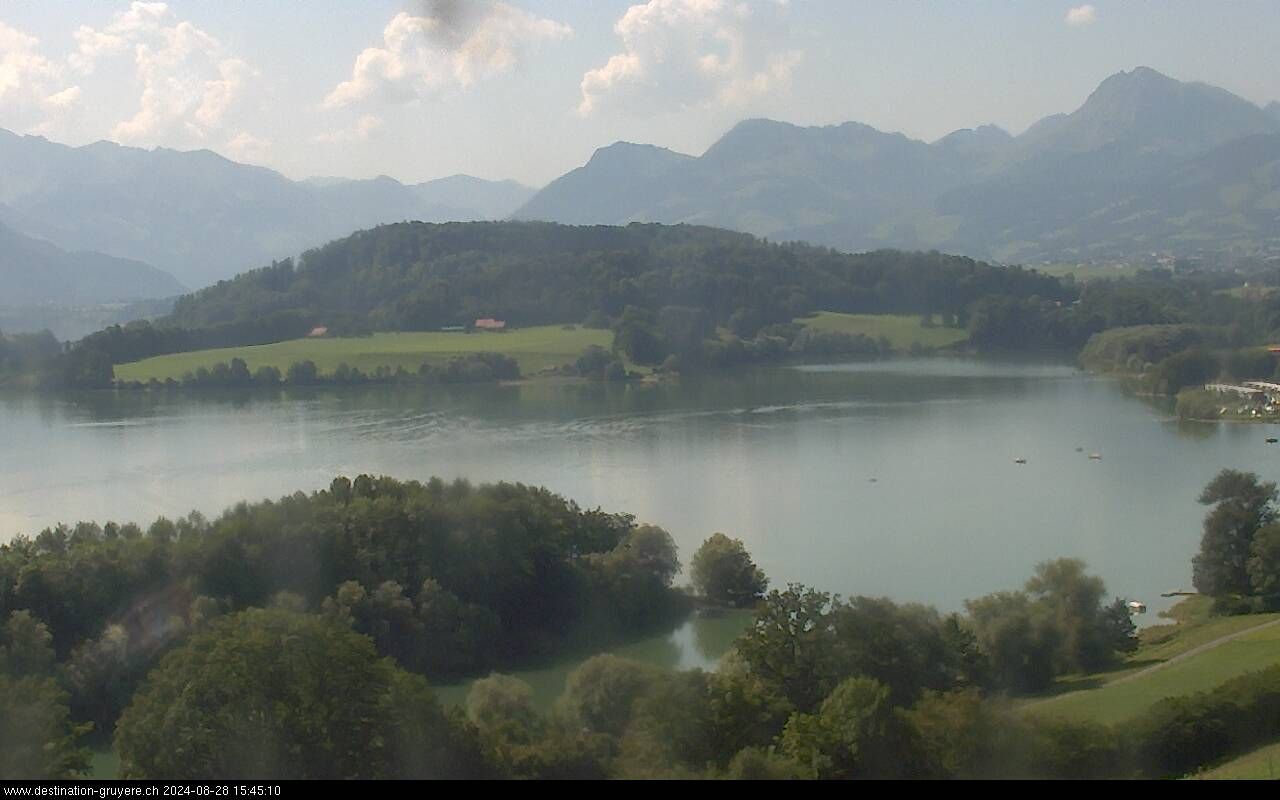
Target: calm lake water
point(890, 478)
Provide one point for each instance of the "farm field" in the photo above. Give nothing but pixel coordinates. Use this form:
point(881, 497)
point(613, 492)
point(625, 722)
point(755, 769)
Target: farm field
point(900, 329)
point(536, 349)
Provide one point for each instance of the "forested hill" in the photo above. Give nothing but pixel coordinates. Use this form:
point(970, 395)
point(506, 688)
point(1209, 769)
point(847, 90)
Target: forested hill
point(420, 276)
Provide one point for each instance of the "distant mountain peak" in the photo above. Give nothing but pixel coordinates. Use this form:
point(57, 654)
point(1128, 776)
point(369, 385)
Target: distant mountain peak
point(625, 149)
point(1127, 86)
point(632, 158)
point(1144, 108)
point(981, 135)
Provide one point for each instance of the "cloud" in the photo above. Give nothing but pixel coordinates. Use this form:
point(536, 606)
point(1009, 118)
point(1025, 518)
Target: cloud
point(244, 146)
point(363, 128)
point(190, 85)
point(1080, 16)
point(26, 77)
point(67, 98)
point(680, 53)
point(448, 45)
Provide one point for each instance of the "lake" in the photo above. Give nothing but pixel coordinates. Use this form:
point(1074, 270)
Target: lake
point(892, 478)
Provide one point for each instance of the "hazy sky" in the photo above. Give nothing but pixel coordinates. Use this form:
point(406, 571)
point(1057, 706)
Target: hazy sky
point(527, 89)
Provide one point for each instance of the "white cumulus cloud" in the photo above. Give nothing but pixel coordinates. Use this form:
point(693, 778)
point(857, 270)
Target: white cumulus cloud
point(26, 76)
point(678, 53)
point(1081, 16)
point(244, 146)
point(449, 45)
point(67, 98)
point(189, 85)
point(363, 128)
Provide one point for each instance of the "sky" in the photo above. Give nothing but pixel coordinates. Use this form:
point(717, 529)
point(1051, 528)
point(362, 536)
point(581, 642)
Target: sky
point(528, 89)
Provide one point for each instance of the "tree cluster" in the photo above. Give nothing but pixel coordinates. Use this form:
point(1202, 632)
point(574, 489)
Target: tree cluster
point(447, 578)
point(1238, 563)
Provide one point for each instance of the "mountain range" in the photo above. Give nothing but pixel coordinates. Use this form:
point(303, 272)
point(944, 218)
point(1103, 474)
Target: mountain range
point(1147, 164)
point(35, 272)
point(202, 217)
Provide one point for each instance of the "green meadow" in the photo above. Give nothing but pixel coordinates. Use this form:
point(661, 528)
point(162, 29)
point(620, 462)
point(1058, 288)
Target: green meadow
point(1262, 764)
point(1119, 696)
point(536, 349)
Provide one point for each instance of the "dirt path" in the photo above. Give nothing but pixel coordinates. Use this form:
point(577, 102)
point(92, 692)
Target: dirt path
point(1195, 651)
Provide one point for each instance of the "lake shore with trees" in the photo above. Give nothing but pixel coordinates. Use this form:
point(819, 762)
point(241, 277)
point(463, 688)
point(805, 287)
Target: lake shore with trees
point(817, 686)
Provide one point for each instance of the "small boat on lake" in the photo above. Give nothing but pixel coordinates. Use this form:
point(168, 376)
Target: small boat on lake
point(1095, 456)
point(1019, 461)
point(1272, 440)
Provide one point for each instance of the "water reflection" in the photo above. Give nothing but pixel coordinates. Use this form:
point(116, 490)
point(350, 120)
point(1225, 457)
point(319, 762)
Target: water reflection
point(698, 643)
point(879, 478)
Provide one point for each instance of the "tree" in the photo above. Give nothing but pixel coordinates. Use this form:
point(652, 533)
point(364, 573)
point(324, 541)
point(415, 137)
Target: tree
point(26, 646)
point(1188, 368)
point(723, 572)
point(852, 735)
point(1019, 638)
point(275, 694)
point(522, 742)
point(1241, 504)
point(652, 550)
point(762, 764)
point(38, 740)
point(957, 735)
point(788, 645)
point(684, 328)
point(637, 335)
point(302, 373)
point(601, 693)
point(501, 707)
point(900, 645)
point(1087, 637)
point(1264, 561)
point(266, 375)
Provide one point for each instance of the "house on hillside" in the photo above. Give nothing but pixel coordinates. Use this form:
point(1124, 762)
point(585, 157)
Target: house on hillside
point(317, 332)
point(490, 324)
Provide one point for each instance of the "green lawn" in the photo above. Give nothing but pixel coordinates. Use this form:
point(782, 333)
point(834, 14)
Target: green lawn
point(536, 349)
point(1261, 764)
point(901, 329)
point(1110, 701)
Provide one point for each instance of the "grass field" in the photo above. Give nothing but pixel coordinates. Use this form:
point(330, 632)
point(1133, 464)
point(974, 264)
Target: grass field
point(104, 765)
point(1261, 765)
point(535, 348)
point(1110, 699)
point(900, 329)
point(1088, 271)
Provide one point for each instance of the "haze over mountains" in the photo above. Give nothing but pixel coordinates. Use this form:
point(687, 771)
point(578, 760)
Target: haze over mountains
point(34, 272)
point(1147, 163)
point(202, 217)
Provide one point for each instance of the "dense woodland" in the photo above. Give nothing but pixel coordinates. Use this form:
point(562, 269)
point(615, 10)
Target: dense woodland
point(687, 297)
point(665, 290)
point(416, 276)
point(166, 642)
